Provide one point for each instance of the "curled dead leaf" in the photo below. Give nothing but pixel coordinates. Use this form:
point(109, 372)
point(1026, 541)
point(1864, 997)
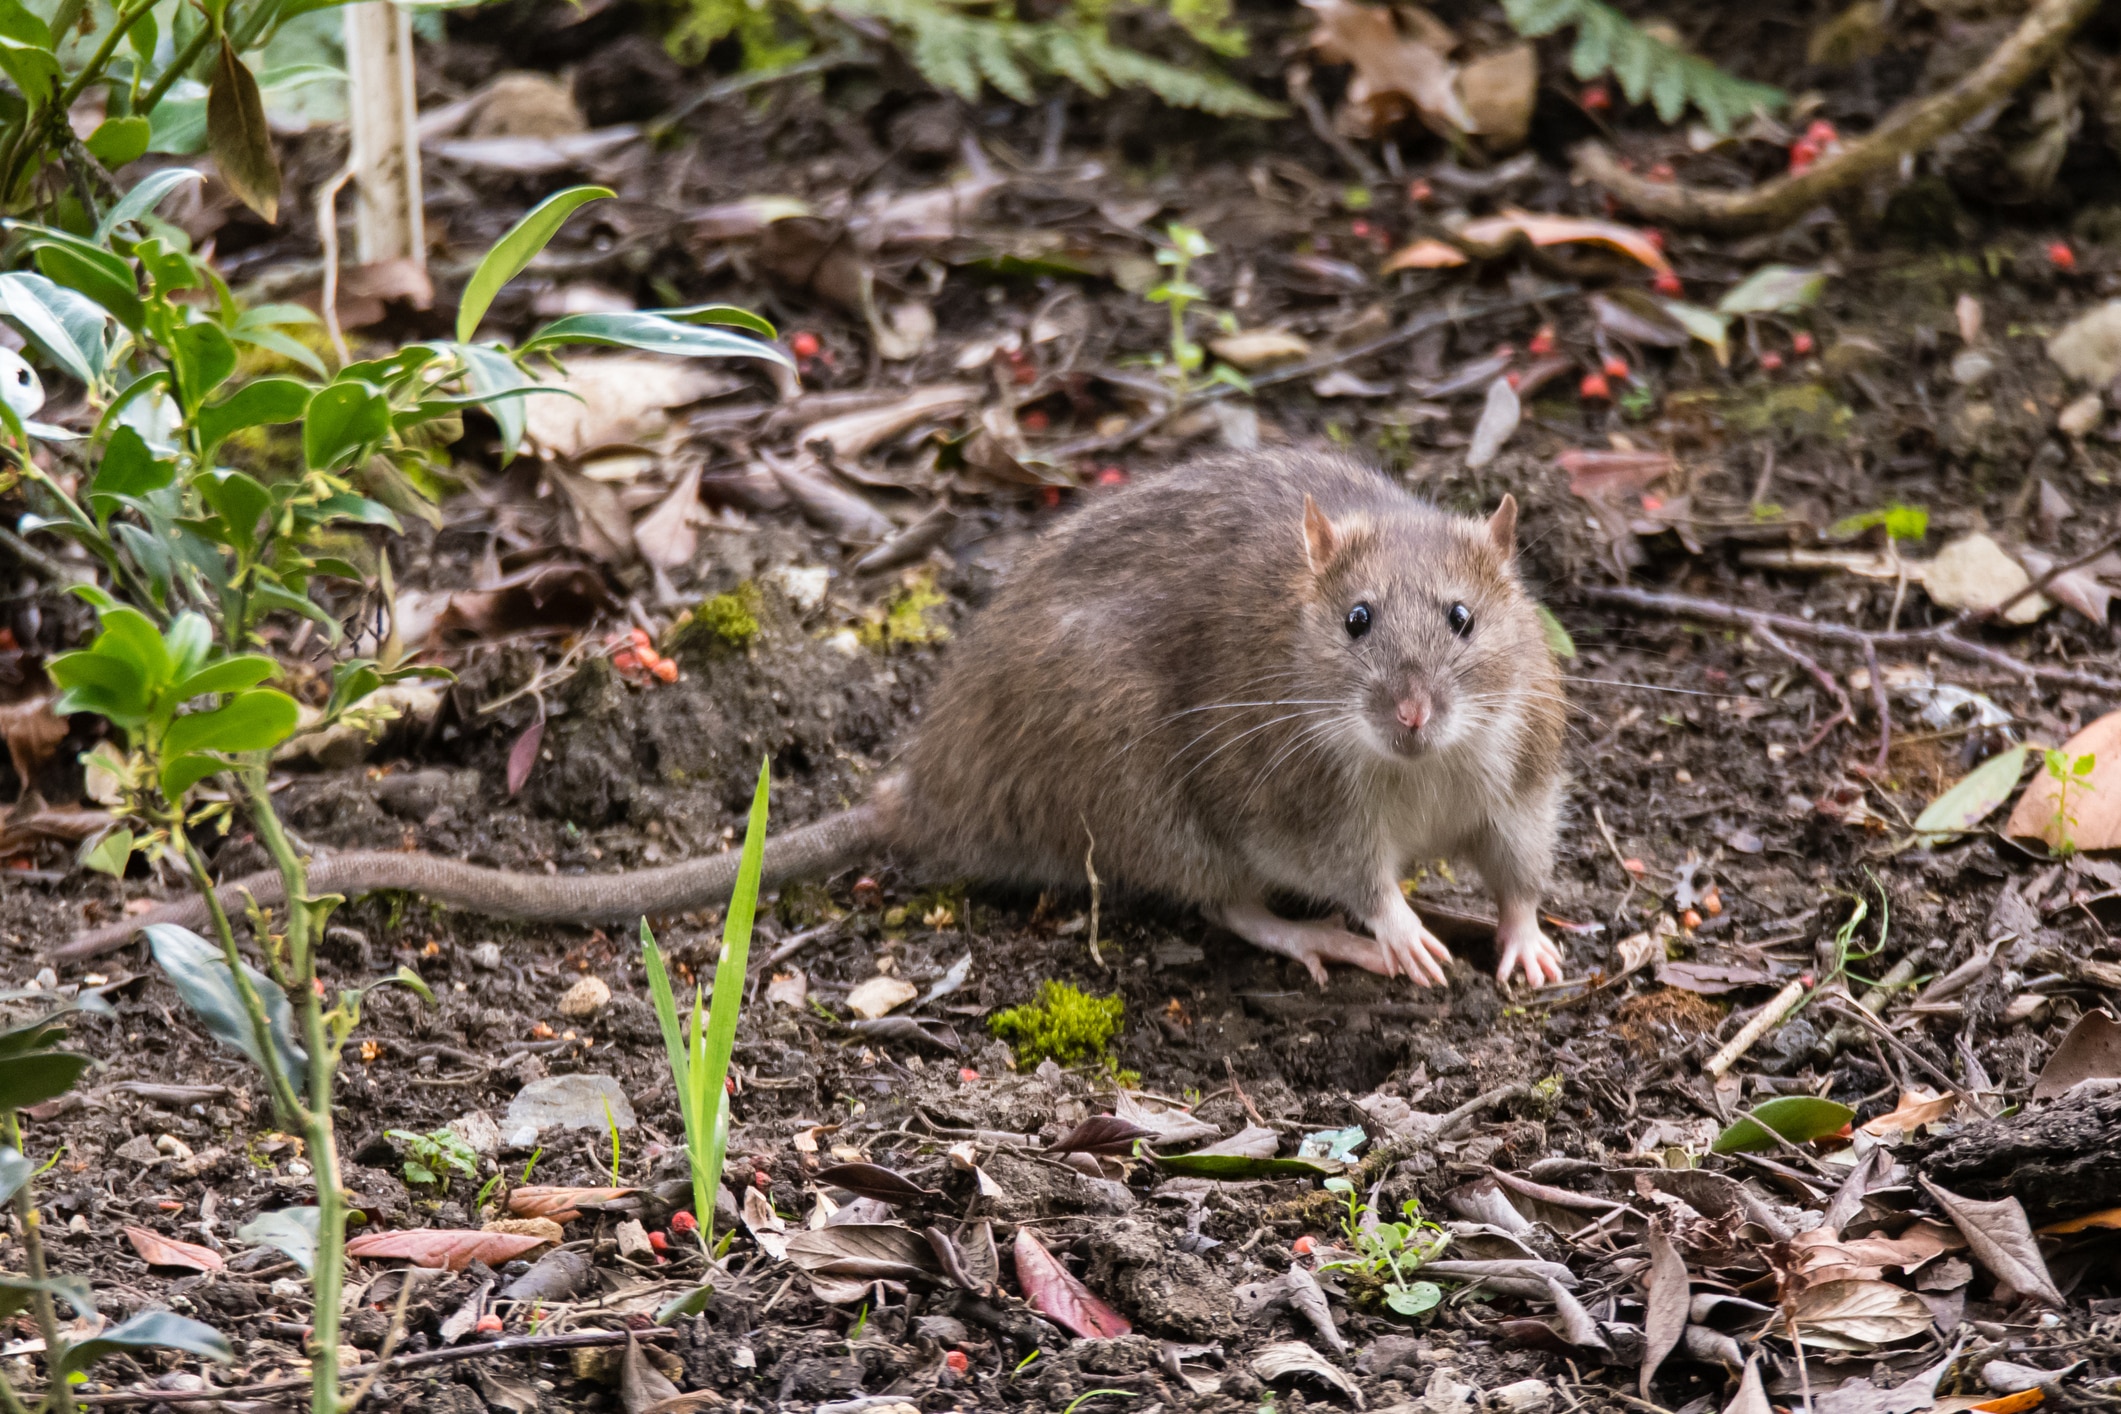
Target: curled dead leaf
point(159, 1251)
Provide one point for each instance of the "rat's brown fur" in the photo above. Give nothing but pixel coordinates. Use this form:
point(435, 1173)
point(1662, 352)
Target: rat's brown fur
point(1166, 684)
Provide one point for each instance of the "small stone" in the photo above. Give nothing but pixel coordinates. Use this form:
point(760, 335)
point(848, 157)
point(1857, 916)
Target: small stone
point(171, 1145)
point(2081, 416)
point(1970, 366)
point(1523, 1397)
point(585, 998)
point(478, 1130)
point(487, 957)
point(350, 1356)
point(879, 995)
point(47, 980)
point(571, 1102)
point(2089, 347)
point(140, 1149)
point(288, 1289)
point(1447, 1394)
point(804, 585)
point(633, 1242)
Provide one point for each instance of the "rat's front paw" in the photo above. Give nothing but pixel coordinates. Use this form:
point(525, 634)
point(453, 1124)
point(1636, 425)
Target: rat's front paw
point(1526, 949)
point(1410, 949)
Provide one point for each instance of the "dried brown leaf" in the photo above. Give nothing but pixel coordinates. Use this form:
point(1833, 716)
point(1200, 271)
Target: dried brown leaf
point(1055, 1293)
point(449, 1248)
point(561, 1204)
point(523, 755)
point(667, 537)
point(1666, 1300)
point(2001, 1240)
point(1394, 73)
point(159, 1251)
point(2090, 1050)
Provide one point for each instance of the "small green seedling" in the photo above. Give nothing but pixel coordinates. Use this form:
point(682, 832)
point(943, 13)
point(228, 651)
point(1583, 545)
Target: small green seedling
point(1392, 1252)
point(1182, 246)
point(2068, 773)
point(432, 1159)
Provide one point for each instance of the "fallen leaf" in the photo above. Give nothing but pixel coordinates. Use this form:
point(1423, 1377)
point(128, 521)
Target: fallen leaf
point(1773, 289)
point(878, 995)
point(1635, 316)
point(1308, 1299)
point(668, 536)
point(617, 399)
point(1499, 90)
point(875, 1181)
point(523, 755)
point(1751, 1397)
point(2012, 1403)
point(1973, 798)
point(1293, 1357)
point(1798, 1119)
point(1425, 254)
point(552, 595)
point(855, 434)
point(1595, 473)
point(2082, 589)
point(768, 1228)
point(450, 1248)
point(1916, 1108)
point(1666, 1301)
point(2106, 1218)
point(1498, 421)
point(1856, 1315)
point(2001, 1240)
point(32, 734)
point(1101, 1134)
point(1974, 572)
point(1710, 979)
point(789, 989)
point(1497, 233)
point(2094, 799)
point(864, 1251)
point(1259, 348)
point(2089, 1050)
point(641, 1385)
point(561, 1204)
point(1055, 1294)
point(1168, 1124)
point(1706, 325)
point(1394, 73)
point(159, 1251)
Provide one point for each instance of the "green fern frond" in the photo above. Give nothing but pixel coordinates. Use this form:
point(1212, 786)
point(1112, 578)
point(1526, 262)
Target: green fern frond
point(1608, 42)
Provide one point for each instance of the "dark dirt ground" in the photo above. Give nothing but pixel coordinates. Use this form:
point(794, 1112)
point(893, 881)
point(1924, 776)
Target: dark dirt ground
point(1683, 744)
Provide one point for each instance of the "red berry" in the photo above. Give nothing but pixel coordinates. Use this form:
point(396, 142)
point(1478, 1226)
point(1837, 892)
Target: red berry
point(1803, 154)
point(966, 1075)
point(1303, 1246)
point(1049, 496)
point(1821, 134)
point(1771, 360)
point(1514, 379)
point(1595, 387)
point(659, 1242)
point(488, 1325)
point(1667, 283)
point(1542, 342)
point(1110, 476)
point(1615, 366)
point(958, 1361)
point(1359, 228)
point(2061, 256)
point(1801, 342)
point(684, 1223)
point(803, 344)
point(1652, 503)
point(1596, 98)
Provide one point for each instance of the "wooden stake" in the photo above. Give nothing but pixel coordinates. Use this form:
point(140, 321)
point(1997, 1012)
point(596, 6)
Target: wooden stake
point(383, 113)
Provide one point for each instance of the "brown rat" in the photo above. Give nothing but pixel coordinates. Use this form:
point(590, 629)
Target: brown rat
point(1251, 677)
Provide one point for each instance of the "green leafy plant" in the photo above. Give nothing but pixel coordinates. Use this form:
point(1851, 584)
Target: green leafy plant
point(1608, 42)
point(1182, 245)
point(964, 45)
point(1900, 522)
point(32, 1071)
point(699, 1055)
point(1786, 1119)
point(2068, 773)
point(1391, 1252)
point(1065, 1024)
point(433, 1158)
point(203, 565)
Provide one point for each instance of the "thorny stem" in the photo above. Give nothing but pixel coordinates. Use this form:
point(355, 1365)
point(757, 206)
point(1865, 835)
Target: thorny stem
point(61, 1398)
point(328, 1277)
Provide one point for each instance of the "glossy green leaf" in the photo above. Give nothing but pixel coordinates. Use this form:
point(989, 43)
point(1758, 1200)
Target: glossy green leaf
point(204, 359)
point(189, 639)
point(1413, 1299)
point(1236, 1166)
point(15, 1171)
point(150, 1330)
point(1799, 1119)
point(345, 418)
point(117, 141)
point(65, 325)
point(1973, 798)
point(517, 249)
point(653, 334)
point(38, 1076)
point(104, 683)
point(128, 468)
point(1705, 325)
point(200, 974)
point(24, 26)
point(130, 635)
point(147, 194)
point(359, 509)
point(240, 501)
point(496, 379)
point(261, 403)
point(181, 773)
point(38, 1034)
point(32, 67)
point(109, 854)
point(229, 675)
point(722, 314)
point(690, 1303)
point(257, 720)
point(292, 1231)
point(1774, 289)
point(92, 271)
point(237, 136)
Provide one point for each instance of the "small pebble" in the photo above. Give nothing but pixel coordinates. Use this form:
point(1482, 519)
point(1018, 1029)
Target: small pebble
point(1523, 1397)
point(487, 957)
point(585, 998)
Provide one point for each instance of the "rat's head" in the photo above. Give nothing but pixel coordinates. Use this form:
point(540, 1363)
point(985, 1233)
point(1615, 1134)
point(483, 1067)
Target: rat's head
point(1417, 619)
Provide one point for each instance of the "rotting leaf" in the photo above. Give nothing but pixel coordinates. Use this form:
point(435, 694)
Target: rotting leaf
point(2001, 1240)
point(523, 755)
point(1055, 1293)
point(1856, 1315)
point(1799, 1119)
point(875, 1181)
point(641, 1385)
point(159, 1251)
point(2094, 799)
point(1293, 1357)
point(561, 1204)
point(1916, 1108)
point(2089, 1050)
point(1309, 1299)
point(1635, 316)
point(1667, 1299)
point(1393, 72)
point(237, 135)
point(864, 1251)
point(1101, 1134)
point(1774, 289)
point(449, 1248)
point(1972, 798)
point(1751, 1397)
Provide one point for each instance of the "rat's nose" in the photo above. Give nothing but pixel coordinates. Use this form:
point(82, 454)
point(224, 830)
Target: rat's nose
point(1414, 710)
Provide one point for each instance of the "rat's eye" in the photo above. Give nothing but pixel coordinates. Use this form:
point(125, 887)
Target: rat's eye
point(1460, 618)
point(1357, 622)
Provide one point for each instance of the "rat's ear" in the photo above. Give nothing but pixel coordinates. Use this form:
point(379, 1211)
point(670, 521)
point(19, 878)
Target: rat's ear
point(1321, 541)
point(1502, 526)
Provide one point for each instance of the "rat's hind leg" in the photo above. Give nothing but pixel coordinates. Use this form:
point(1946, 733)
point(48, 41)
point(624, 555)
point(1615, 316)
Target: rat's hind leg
point(1313, 943)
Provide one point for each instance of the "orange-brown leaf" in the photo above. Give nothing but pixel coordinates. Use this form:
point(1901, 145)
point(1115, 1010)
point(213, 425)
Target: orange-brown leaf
point(159, 1251)
point(450, 1248)
point(2094, 799)
point(1499, 231)
point(2013, 1403)
point(2105, 1218)
point(1916, 1108)
point(561, 1204)
point(1426, 254)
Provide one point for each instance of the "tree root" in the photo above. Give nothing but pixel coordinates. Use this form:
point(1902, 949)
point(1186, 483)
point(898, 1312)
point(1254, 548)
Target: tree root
point(1908, 129)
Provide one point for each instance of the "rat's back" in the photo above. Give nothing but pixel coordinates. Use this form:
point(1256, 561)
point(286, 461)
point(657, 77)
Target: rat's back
point(1084, 708)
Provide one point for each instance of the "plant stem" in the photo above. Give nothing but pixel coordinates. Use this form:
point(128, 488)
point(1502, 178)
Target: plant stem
point(282, 1086)
point(176, 70)
point(61, 1396)
point(100, 60)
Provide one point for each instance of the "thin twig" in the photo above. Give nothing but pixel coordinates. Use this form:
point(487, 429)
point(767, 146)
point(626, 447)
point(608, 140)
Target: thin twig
point(1940, 638)
point(1844, 710)
point(1298, 80)
point(1884, 706)
point(1618, 858)
point(509, 1345)
point(1908, 129)
point(328, 237)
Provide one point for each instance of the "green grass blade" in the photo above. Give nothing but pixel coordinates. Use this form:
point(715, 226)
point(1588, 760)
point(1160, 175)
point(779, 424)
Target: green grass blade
point(729, 991)
point(666, 1015)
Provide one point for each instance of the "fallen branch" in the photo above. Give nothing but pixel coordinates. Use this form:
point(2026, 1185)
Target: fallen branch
point(1912, 127)
point(1940, 639)
point(1767, 1019)
point(396, 1364)
point(1844, 710)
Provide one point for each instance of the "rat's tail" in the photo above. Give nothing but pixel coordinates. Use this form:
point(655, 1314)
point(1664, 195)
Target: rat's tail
point(812, 851)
